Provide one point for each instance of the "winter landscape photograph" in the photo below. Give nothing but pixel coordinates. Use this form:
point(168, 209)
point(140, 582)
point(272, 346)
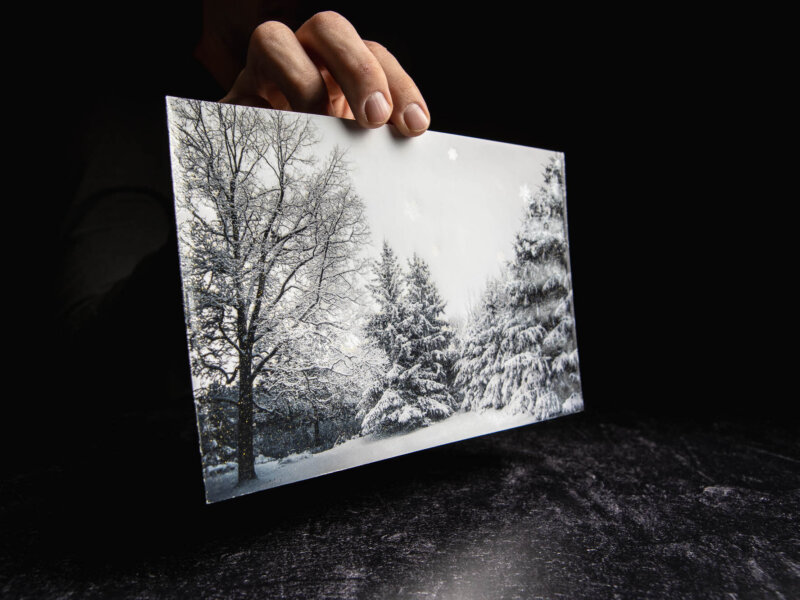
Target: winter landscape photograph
point(351, 296)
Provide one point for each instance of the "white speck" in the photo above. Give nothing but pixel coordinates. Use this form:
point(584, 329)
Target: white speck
point(435, 250)
point(351, 343)
point(411, 210)
point(525, 193)
point(452, 154)
point(501, 258)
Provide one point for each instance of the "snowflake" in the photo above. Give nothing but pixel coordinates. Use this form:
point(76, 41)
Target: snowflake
point(452, 154)
point(411, 210)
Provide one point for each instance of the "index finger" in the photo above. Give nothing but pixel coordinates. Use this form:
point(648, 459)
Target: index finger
point(410, 115)
point(332, 40)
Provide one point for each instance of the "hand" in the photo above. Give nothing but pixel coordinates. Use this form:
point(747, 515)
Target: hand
point(326, 68)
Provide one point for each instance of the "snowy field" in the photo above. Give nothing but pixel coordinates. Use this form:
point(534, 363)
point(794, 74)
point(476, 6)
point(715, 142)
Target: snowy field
point(273, 473)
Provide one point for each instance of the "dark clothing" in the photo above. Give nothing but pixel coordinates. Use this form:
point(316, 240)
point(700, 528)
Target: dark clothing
point(118, 306)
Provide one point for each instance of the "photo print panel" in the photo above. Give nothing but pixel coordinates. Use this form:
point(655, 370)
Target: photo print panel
point(351, 296)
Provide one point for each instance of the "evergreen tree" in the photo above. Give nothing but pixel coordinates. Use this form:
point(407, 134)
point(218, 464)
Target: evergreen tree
point(387, 290)
point(540, 286)
point(522, 354)
point(382, 327)
point(415, 391)
point(479, 366)
point(216, 407)
point(427, 336)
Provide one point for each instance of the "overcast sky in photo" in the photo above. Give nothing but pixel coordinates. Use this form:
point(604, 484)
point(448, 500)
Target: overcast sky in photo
point(454, 200)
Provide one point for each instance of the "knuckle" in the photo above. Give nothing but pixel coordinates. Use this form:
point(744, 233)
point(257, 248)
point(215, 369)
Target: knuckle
point(327, 19)
point(270, 30)
point(268, 36)
point(366, 69)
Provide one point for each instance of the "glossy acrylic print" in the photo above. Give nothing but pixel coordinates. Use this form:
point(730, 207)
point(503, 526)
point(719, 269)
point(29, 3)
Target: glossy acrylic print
point(351, 296)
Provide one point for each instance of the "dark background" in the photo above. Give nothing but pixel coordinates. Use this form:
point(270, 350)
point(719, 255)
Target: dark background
point(668, 190)
point(672, 237)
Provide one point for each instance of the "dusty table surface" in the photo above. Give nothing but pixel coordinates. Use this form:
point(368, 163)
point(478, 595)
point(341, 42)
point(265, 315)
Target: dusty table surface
point(588, 506)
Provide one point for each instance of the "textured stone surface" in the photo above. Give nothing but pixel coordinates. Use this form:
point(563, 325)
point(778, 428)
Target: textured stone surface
point(582, 507)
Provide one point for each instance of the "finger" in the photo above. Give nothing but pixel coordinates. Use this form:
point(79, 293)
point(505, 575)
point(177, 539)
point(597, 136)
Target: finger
point(279, 70)
point(338, 102)
point(242, 93)
point(331, 40)
point(410, 114)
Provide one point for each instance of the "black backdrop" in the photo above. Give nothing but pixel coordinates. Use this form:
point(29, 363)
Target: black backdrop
point(674, 232)
point(633, 99)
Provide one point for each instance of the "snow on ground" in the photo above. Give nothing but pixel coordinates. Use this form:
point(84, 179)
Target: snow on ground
point(221, 484)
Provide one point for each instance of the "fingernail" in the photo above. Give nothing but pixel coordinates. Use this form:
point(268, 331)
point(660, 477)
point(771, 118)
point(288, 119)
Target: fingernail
point(415, 118)
point(377, 108)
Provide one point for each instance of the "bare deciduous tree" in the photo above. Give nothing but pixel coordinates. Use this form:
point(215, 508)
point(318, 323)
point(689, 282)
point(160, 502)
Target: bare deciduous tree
point(270, 241)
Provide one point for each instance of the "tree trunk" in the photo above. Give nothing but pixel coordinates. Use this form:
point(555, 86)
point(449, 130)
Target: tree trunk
point(317, 437)
point(244, 451)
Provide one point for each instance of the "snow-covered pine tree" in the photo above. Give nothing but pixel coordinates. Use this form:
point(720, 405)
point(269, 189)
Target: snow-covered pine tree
point(540, 283)
point(381, 327)
point(387, 290)
point(479, 365)
point(427, 336)
point(535, 365)
point(415, 391)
